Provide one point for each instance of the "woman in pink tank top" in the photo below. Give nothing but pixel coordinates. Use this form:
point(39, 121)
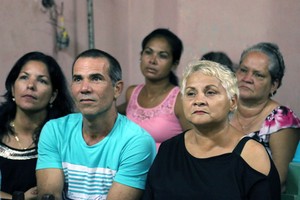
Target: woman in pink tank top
point(156, 105)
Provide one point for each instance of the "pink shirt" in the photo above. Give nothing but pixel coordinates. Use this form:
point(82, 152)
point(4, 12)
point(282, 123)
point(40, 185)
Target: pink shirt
point(160, 121)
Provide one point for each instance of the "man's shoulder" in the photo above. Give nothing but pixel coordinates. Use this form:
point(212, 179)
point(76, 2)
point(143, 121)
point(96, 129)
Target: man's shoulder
point(68, 120)
point(68, 117)
point(125, 122)
point(131, 130)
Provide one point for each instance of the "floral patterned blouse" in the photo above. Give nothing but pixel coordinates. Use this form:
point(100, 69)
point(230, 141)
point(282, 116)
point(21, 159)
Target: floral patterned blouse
point(281, 117)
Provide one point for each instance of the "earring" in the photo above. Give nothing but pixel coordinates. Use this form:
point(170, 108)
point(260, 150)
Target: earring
point(50, 105)
point(13, 99)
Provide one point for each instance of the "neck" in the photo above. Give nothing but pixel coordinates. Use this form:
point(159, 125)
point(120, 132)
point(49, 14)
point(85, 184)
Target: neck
point(249, 119)
point(27, 123)
point(250, 110)
point(157, 87)
point(95, 129)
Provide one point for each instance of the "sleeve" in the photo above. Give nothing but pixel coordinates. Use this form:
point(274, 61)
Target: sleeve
point(267, 188)
point(280, 118)
point(48, 154)
point(147, 195)
point(135, 162)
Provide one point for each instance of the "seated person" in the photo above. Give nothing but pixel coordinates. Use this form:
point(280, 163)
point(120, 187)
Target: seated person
point(156, 105)
point(276, 126)
point(96, 153)
point(36, 91)
point(213, 160)
point(219, 57)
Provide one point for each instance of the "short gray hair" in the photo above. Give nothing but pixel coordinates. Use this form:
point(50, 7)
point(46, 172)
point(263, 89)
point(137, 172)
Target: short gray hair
point(210, 68)
point(276, 63)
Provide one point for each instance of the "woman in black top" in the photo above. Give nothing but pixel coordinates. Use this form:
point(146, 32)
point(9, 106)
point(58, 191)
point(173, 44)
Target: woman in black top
point(213, 160)
point(36, 91)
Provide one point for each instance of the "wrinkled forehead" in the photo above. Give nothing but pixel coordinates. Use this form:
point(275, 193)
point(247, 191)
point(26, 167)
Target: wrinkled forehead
point(93, 65)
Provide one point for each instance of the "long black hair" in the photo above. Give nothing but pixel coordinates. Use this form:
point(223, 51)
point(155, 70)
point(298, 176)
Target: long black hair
point(62, 105)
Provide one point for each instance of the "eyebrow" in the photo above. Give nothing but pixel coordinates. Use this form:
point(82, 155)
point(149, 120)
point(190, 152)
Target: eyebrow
point(90, 75)
point(157, 51)
point(41, 75)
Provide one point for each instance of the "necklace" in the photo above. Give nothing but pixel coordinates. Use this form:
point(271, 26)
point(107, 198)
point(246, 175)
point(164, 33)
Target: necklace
point(12, 125)
point(246, 127)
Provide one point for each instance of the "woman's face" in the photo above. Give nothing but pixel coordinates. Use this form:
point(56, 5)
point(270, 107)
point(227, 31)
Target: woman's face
point(157, 59)
point(254, 78)
point(32, 89)
point(205, 100)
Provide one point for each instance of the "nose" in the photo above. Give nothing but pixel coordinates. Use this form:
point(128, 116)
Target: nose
point(85, 87)
point(247, 77)
point(31, 84)
point(199, 100)
point(153, 58)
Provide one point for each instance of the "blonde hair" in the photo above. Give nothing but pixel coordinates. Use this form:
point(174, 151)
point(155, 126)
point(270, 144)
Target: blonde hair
point(210, 68)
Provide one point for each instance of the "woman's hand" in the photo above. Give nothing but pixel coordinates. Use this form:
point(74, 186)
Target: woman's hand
point(31, 193)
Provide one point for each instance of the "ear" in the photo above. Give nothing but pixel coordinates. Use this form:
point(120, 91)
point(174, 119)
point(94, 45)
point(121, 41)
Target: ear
point(233, 103)
point(12, 91)
point(175, 65)
point(53, 97)
point(118, 88)
point(274, 86)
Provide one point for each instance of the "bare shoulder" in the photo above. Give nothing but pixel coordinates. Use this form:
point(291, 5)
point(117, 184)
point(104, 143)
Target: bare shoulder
point(256, 156)
point(178, 104)
point(122, 107)
point(129, 91)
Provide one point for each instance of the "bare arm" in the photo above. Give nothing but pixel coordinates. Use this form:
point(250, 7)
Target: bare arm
point(50, 181)
point(180, 114)
point(257, 157)
point(4, 195)
point(283, 145)
point(120, 191)
point(122, 107)
point(29, 194)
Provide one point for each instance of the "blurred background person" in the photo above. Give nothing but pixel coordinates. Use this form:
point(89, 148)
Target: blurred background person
point(156, 105)
point(36, 91)
point(276, 126)
point(219, 57)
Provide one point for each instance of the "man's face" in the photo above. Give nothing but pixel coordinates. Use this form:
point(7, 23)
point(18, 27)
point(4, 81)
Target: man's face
point(92, 88)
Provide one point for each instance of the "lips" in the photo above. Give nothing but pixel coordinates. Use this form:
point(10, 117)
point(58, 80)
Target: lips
point(150, 70)
point(244, 87)
point(201, 112)
point(86, 100)
point(28, 96)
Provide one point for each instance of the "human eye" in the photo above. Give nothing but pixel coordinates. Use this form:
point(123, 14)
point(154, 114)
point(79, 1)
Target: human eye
point(147, 52)
point(76, 79)
point(43, 80)
point(23, 77)
point(96, 78)
point(243, 70)
point(210, 92)
point(259, 75)
point(163, 55)
point(190, 93)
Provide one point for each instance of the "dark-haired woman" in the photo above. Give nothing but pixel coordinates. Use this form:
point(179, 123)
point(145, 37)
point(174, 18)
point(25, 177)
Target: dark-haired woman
point(276, 126)
point(36, 91)
point(156, 105)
